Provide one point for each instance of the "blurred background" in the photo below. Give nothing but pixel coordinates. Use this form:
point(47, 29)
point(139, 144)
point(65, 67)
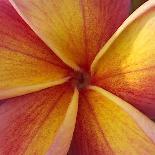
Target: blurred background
point(136, 4)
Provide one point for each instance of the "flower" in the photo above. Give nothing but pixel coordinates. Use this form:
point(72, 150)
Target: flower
point(70, 82)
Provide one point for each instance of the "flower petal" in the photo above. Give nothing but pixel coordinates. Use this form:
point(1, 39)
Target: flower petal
point(32, 123)
point(26, 63)
point(126, 65)
point(74, 29)
point(108, 125)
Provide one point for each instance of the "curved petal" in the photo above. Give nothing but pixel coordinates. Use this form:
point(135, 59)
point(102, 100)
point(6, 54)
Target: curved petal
point(108, 125)
point(74, 29)
point(32, 123)
point(126, 65)
point(62, 140)
point(26, 63)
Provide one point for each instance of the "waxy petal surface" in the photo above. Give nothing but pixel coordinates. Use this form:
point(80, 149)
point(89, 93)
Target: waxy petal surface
point(26, 63)
point(106, 125)
point(74, 29)
point(33, 123)
point(126, 65)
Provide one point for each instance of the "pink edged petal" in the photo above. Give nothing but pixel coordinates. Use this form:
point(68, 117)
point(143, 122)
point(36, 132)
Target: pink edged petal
point(126, 64)
point(26, 63)
point(107, 125)
point(74, 29)
point(33, 123)
point(60, 147)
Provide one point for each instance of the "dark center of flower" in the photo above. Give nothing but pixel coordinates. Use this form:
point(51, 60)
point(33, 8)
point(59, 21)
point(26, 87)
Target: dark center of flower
point(81, 80)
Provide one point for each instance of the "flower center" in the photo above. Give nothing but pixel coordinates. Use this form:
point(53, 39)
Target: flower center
point(81, 80)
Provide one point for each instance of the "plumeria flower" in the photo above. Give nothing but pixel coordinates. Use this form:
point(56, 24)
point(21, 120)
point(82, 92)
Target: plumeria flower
point(71, 83)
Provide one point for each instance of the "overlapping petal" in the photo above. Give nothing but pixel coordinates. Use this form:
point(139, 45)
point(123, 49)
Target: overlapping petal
point(108, 125)
point(33, 123)
point(26, 63)
point(74, 29)
point(126, 65)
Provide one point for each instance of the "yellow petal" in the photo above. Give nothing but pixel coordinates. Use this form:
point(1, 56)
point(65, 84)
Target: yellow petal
point(108, 125)
point(126, 65)
point(26, 63)
point(33, 123)
point(74, 29)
